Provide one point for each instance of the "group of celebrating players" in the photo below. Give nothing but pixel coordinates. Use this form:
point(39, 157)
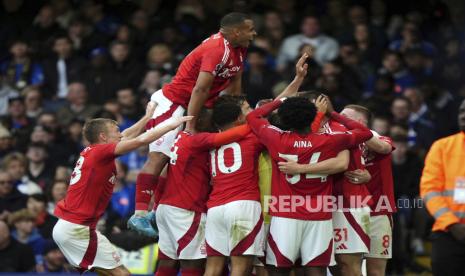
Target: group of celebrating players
point(211, 180)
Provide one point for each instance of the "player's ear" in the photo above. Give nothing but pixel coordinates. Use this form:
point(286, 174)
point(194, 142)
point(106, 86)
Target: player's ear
point(102, 136)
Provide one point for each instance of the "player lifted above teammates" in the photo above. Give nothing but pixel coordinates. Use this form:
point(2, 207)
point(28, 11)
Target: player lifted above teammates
point(214, 66)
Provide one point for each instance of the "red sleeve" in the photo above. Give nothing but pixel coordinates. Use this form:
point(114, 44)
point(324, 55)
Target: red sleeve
point(349, 139)
point(317, 121)
point(204, 141)
point(266, 133)
point(105, 152)
point(212, 61)
point(348, 123)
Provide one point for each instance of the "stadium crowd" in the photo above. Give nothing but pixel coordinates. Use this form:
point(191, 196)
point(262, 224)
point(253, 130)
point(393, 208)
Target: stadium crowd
point(68, 61)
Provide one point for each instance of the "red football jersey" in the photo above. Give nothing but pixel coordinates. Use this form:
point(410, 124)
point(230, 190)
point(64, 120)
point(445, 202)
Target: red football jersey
point(342, 186)
point(381, 183)
point(234, 170)
point(304, 149)
point(187, 185)
point(90, 187)
point(215, 55)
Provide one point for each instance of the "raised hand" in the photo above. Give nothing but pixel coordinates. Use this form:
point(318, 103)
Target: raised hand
point(321, 104)
point(301, 67)
point(150, 109)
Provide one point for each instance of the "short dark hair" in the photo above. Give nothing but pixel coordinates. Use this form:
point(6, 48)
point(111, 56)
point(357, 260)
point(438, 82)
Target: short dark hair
point(238, 99)
point(362, 110)
point(94, 127)
point(225, 112)
point(297, 113)
point(233, 19)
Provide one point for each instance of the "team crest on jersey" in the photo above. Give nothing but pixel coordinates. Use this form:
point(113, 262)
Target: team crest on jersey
point(112, 179)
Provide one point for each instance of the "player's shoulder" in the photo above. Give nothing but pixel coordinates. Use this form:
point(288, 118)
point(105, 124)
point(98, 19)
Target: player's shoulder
point(215, 42)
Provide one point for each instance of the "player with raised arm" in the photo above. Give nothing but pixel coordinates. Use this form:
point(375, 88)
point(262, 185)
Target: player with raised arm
point(90, 189)
point(298, 232)
point(181, 211)
point(215, 65)
point(351, 225)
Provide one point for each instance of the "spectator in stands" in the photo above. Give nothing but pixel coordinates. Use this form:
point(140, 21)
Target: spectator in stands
point(10, 198)
point(93, 11)
point(130, 109)
point(258, 80)
point(125, 72)
point(151, 82)
point(411, 39)
point(368, 48)
point(419, 65)
point(14, 256)
point(15, 164)
point(392, 64)
point(63, 11)
point(160, 57)
point(98, 77)
point(57, 193)
point(44, 221)
point(40, 170)
point(273, 30)
point(421, 119)
point(6, 92)
point(381, 125)
point(32, 101)
point(61, 69)
point(326, 48)
point(6, 142)
point(406, 172)
point(84, 38)
point(77, 106)
point(26, 232)
point(20, 70)
point(17, 122)
point(443, 105)
point(54, 260)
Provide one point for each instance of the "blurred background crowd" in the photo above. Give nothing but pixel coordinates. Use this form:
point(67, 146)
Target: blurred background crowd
point(64, 61)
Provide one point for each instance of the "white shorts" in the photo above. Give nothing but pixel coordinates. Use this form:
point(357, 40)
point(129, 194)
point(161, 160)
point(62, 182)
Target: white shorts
point(165, 112)
point(235, 229)
point(181, 233)
point(290, 239)
point(85, 248)
point(351, 230)
point(380, 237)
point(260, 261)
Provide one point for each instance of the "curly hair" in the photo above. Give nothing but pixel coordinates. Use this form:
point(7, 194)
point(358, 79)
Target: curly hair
point(297, 113)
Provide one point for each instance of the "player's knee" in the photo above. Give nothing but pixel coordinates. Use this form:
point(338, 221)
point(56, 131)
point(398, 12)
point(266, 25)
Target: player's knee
point(375, 271)
point(349, 268)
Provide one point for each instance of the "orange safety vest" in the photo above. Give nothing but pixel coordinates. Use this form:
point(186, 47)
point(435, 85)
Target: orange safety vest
point(444, 167)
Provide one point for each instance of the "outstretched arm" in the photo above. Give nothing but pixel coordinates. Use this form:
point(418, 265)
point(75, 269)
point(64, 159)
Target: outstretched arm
point(149, 136)
point(378, 145)
point(139, 126)
point(333, 165)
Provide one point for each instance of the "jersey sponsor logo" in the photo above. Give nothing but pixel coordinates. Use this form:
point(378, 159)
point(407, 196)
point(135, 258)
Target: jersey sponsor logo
point(302, 144)
point(229, 72)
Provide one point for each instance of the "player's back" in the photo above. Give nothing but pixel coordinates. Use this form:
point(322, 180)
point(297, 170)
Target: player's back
point(214, 55)
point(188, 174)
point(381, 183)
point(304, 149)
point(342, 186)
point(234, 170)
point(90, 187)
